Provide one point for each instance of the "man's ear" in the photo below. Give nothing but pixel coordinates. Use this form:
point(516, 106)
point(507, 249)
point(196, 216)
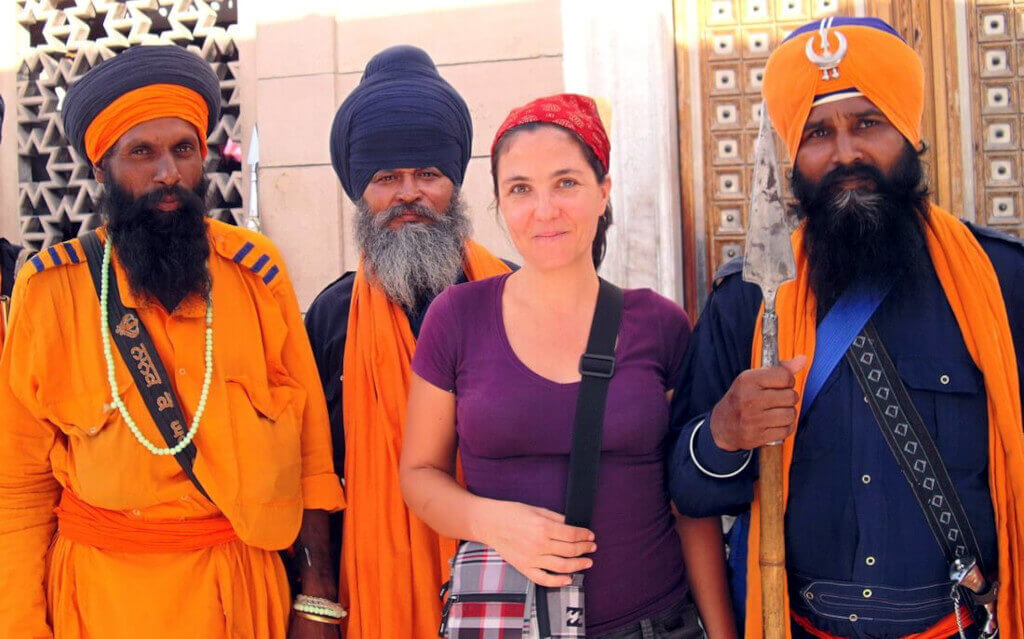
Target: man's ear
point(99, 172)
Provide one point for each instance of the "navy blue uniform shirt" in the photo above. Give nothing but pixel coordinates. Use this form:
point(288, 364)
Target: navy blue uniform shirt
point(8, 257)
point(851, 516)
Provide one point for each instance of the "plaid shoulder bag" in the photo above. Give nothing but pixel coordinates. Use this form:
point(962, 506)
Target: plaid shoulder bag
point(487, 598)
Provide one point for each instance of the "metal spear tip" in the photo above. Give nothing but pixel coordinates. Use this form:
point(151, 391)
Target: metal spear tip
point(254, 147)
point(768, 257)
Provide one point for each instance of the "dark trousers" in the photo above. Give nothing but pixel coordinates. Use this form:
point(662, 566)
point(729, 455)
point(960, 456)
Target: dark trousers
point(679, 621)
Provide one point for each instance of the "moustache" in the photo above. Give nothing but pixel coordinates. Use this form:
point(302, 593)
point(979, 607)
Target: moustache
point(830, 183)
point(382, 220)
point(187, 198)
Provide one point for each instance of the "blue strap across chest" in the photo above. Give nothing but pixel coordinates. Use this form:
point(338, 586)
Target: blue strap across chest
point(836, 332)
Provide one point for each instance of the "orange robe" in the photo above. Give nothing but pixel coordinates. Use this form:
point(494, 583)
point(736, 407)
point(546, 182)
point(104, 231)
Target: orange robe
point(264, 453)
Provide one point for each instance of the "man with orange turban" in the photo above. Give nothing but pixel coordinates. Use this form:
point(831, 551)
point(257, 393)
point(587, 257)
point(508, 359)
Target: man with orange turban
point(400, 144)
point(902, 320)
point(162, 429)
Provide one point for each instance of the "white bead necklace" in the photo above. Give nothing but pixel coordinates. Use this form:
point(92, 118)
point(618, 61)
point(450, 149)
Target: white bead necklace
point(112, 380)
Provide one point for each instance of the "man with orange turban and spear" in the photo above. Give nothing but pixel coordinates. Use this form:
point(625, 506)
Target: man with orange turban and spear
point(901, 340)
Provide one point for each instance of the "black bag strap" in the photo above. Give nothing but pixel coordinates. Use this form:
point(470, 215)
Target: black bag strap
point(139, 353)
point(912, 446)
point(597, 365)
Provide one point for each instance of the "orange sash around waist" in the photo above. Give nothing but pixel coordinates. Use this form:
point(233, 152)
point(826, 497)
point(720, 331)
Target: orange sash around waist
point(114, 531)
point(943, 628)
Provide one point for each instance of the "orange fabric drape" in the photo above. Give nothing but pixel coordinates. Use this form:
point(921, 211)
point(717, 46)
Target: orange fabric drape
point(117, 532)
point(969, 282)
point(393, 563)
point(141, 105)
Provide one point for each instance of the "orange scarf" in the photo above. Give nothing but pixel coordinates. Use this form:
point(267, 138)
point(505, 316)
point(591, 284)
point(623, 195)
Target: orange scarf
point(973, 292)
point(393, 563)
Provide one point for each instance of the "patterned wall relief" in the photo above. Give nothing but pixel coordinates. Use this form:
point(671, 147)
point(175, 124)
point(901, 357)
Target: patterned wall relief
point(997, 81)
point(57, 196)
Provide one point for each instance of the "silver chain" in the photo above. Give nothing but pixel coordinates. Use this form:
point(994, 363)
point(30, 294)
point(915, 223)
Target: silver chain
point(955, 594)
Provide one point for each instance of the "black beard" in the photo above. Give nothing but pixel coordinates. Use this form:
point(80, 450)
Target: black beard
point(164, 254)
point(874, 236)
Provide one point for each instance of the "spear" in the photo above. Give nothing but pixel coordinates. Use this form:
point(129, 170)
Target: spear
point(768, 262)
point(253, 221)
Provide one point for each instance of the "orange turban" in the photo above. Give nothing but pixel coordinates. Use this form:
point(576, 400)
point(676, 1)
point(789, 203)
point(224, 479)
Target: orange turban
point(141, 105)
point(864, 56)
point(141, 84)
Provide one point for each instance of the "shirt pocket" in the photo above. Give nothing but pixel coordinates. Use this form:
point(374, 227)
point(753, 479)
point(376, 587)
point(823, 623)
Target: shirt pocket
point(267, 423)
point(82, 413)
point(949, 394)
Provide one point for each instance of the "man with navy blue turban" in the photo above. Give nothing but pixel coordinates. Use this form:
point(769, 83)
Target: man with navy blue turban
point(400, 145)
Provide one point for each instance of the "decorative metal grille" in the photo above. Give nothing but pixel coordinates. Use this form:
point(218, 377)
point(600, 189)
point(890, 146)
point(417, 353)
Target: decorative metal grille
point(738, 35)
point(57, 196)
point(997, 83)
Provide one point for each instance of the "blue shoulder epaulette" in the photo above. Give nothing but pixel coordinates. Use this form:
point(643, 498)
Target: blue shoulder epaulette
point(257, 261)
point(69, 252)
point(732, 267)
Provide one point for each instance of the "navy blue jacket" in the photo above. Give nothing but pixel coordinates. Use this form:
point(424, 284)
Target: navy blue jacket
point(8, 257)
point(851, 516)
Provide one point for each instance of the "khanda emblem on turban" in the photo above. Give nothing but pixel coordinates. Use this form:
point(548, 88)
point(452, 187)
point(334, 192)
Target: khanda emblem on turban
point(826, 60)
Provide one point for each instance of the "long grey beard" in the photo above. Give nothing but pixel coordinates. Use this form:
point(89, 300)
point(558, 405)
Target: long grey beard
point(416, 261)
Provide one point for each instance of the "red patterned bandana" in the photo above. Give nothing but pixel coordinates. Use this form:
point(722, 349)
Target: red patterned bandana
point(577, 113)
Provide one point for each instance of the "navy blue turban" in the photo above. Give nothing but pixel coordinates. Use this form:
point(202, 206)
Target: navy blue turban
point(403, 114)
point(136, 68)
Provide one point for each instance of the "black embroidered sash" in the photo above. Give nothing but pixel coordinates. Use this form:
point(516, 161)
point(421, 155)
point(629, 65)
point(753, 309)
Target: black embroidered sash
point(139, 353)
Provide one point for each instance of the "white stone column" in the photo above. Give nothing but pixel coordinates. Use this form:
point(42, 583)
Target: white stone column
point(624, 52)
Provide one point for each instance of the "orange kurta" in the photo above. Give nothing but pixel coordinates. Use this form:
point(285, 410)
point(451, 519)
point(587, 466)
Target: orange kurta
point(264, 452)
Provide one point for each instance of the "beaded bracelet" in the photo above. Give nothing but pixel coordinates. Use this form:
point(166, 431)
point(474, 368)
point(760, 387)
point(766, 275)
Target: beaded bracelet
point(319, 606)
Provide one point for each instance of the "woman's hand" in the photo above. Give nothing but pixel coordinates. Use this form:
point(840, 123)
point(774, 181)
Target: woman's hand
point(536, 541)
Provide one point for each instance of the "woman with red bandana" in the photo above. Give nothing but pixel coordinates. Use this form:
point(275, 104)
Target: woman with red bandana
point(496, 380)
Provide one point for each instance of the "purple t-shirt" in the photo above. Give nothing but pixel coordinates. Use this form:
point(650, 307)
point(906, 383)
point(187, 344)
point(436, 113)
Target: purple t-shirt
point(515, 429)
